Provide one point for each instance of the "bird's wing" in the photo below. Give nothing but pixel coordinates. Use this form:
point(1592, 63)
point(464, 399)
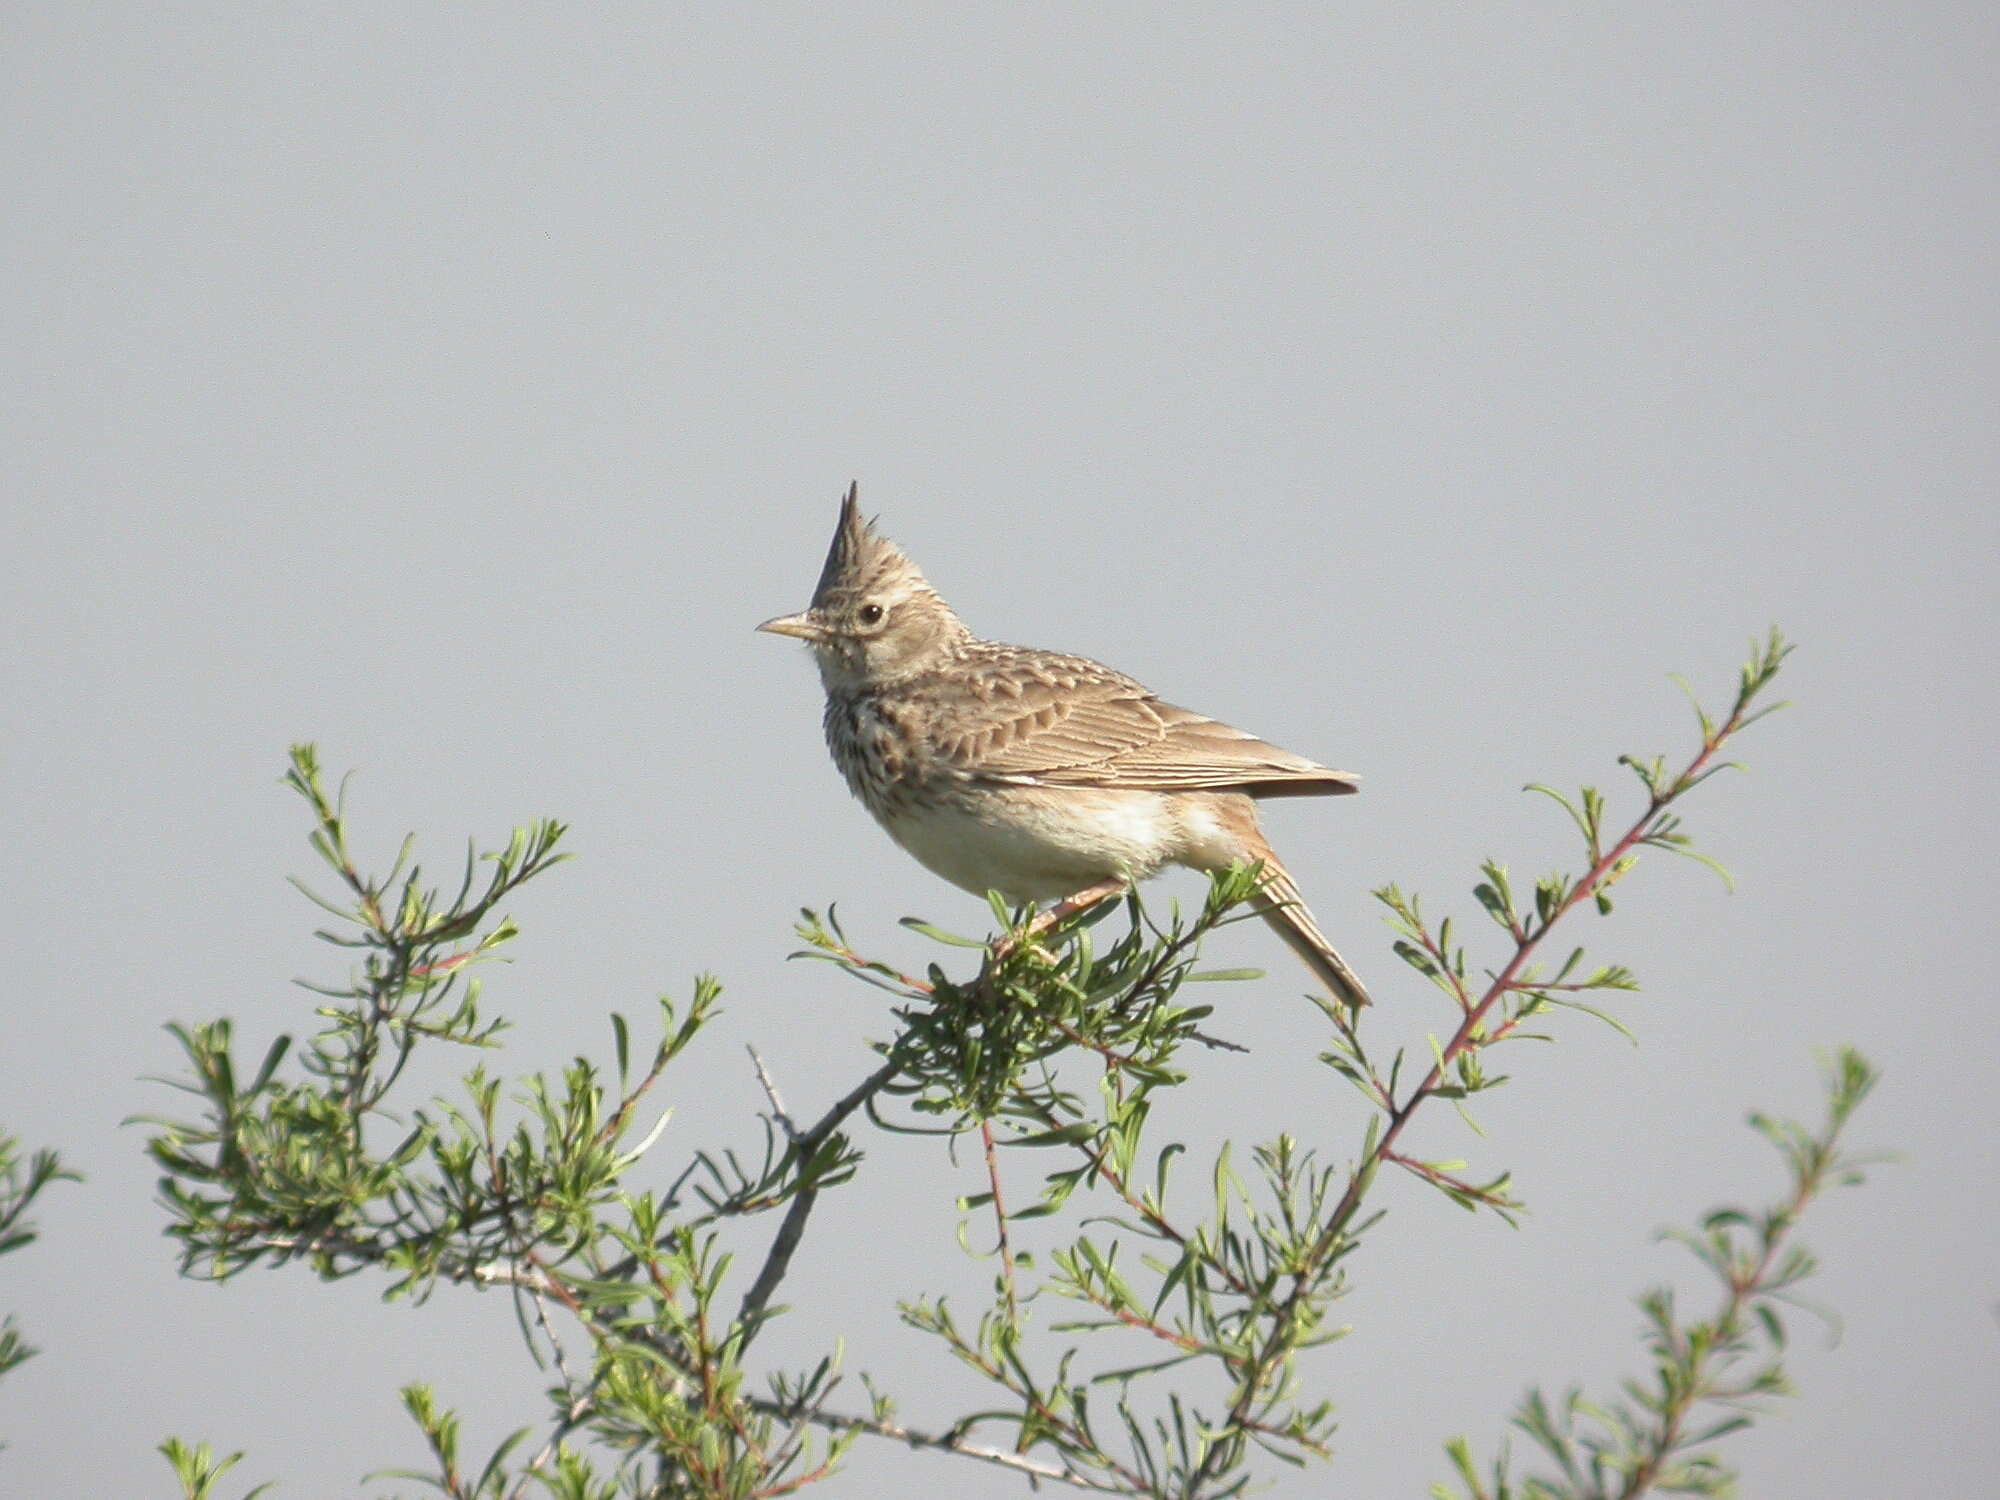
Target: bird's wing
point(1066, 721)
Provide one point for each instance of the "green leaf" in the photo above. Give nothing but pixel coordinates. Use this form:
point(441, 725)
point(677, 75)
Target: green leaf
point(621, 1043)
point(939, 935)
point(1590, 1010)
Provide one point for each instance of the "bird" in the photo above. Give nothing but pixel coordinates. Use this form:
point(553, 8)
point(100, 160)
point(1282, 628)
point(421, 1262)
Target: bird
point(1046, 777)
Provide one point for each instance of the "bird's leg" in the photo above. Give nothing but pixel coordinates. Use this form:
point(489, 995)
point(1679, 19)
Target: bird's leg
point(1103, 890)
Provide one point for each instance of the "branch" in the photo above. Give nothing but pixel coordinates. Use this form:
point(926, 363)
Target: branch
point(1652, 826)
point(779, 1259)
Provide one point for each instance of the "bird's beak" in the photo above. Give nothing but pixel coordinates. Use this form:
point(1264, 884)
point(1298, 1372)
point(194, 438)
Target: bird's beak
point(804, 626)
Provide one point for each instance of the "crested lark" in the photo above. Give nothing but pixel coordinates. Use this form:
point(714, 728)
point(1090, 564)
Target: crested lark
point(1042, 776)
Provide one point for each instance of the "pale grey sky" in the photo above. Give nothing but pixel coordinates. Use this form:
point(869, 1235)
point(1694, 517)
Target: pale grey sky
point(1414, 385)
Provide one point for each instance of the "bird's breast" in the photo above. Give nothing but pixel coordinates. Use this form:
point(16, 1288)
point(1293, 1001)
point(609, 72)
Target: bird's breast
point(874, 744)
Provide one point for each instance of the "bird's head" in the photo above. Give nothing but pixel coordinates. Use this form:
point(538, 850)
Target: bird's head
point(873, 619)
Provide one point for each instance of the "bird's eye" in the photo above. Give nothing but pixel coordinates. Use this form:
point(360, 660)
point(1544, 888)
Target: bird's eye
point(871, 614)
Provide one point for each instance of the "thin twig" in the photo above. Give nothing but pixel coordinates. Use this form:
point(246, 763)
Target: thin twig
point(764, 1080)
point(581, 1401)
point(954, 1442)
point(1743, 1287)
point(1000, 1225)
point(1049, 1421)
point(779, 1258)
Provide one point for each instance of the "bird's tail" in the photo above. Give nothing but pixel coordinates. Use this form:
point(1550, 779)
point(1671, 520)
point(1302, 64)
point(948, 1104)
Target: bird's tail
point(1281, 905)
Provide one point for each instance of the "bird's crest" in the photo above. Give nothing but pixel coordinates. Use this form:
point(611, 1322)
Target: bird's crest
point(860, 557)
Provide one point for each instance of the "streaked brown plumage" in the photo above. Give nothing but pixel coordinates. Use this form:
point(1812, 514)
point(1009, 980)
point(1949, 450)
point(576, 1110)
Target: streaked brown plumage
point(1043, 776)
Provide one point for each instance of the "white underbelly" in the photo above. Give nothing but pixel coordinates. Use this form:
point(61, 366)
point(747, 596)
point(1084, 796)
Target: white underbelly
point(1036, 845)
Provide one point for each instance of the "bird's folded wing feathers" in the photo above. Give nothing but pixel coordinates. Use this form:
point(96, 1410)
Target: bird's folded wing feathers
point(1101, 729)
